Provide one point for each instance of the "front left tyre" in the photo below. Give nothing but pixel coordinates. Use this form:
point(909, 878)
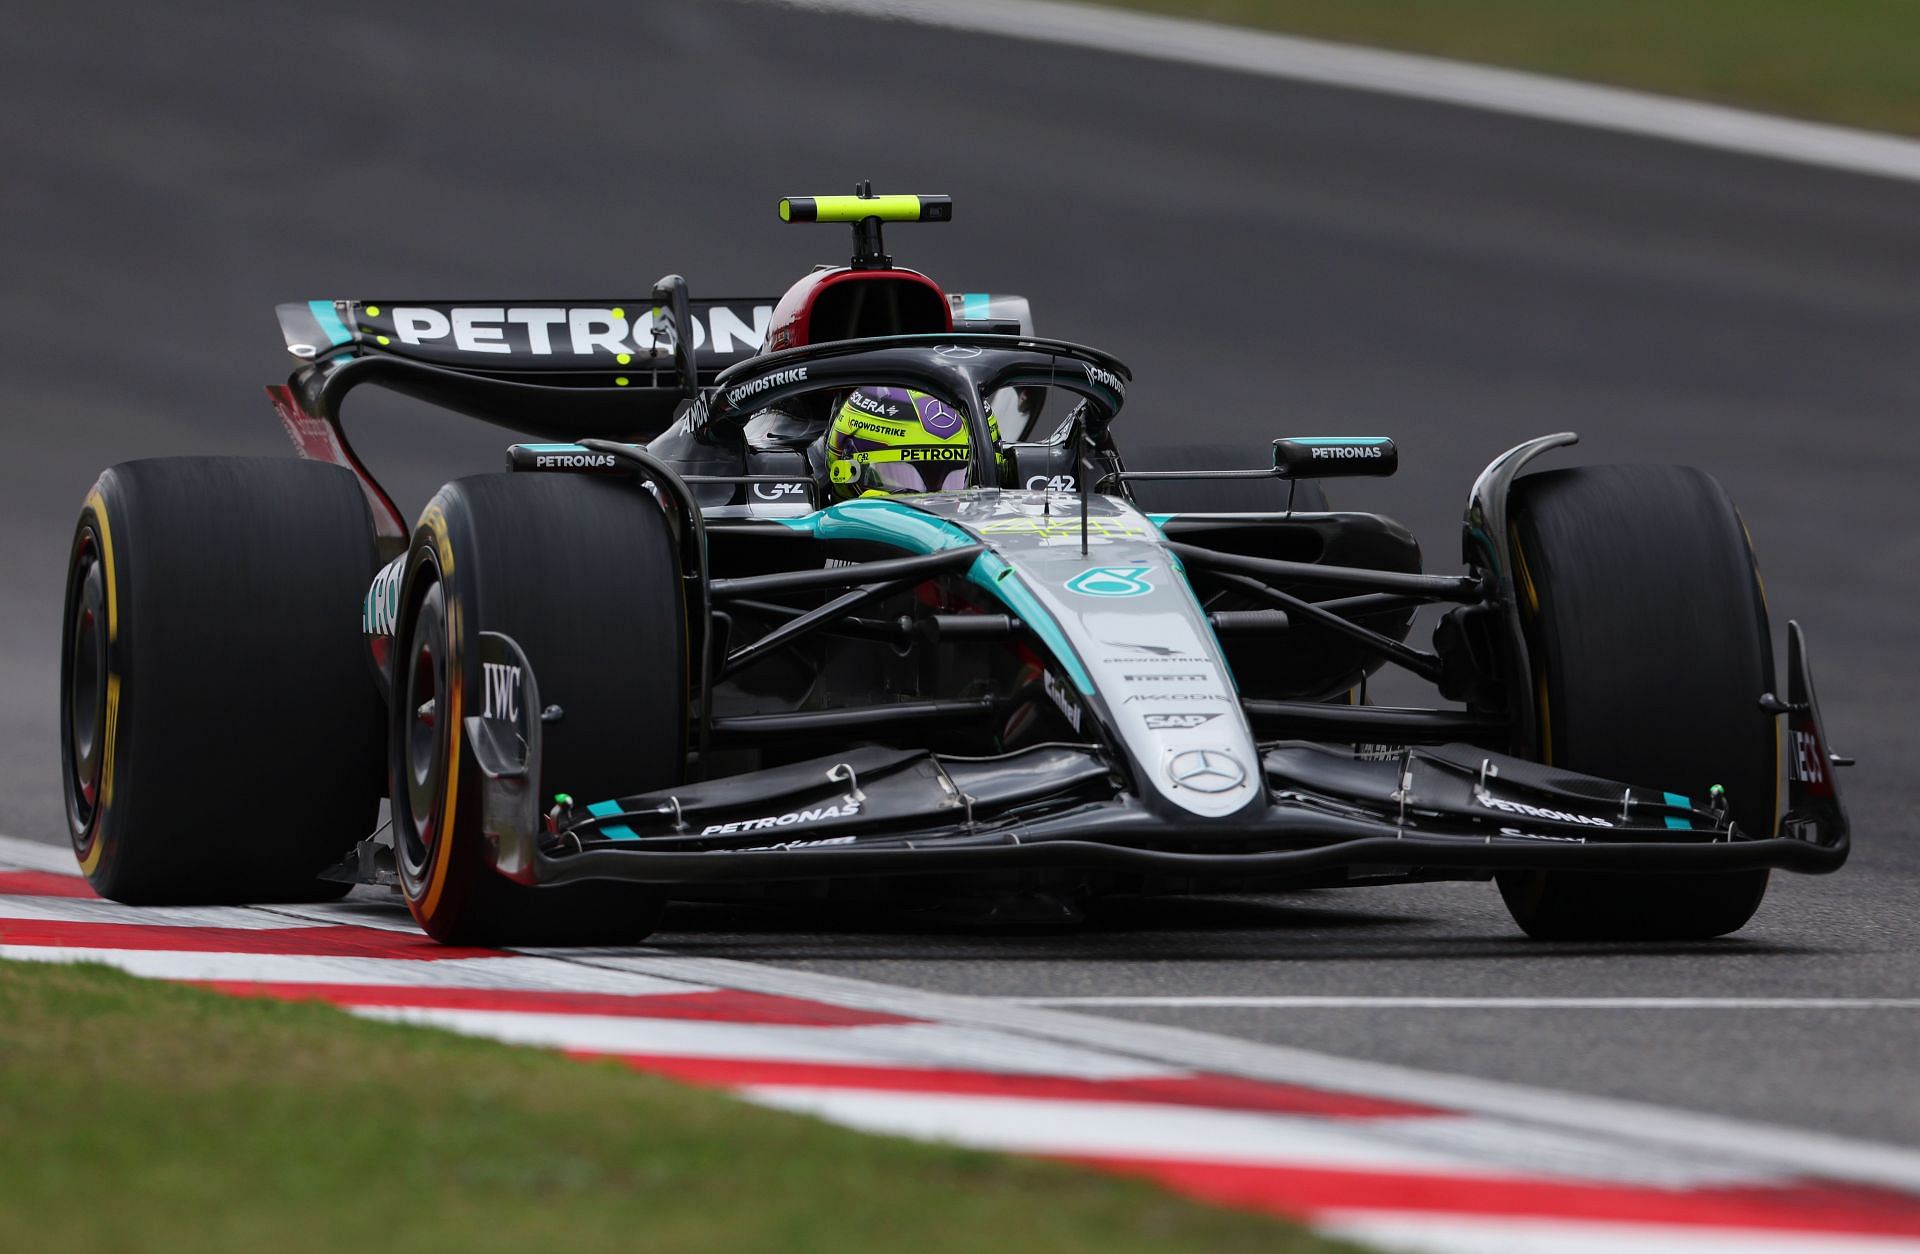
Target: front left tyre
point(220, 725)
point(583, 574)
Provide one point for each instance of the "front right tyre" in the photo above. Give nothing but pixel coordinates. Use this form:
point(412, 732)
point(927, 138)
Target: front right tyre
point(1648, 632)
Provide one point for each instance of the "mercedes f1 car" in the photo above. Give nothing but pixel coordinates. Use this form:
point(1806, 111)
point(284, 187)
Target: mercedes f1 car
point(660, 657)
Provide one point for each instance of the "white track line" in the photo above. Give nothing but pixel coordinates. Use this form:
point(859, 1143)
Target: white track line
point(931, 1045)
point(1464, 1234)
point(1456, 1146)
point(518, 973)
point(1759, 1146)
point(34, 855)
point(1403, 74)
point(1480, 1003)
point(95, 910)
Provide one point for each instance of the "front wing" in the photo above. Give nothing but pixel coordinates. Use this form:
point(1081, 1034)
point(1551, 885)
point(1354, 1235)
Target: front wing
point(876, 811)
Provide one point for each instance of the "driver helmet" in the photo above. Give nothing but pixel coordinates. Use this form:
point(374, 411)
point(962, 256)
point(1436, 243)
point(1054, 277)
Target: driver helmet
point(888, 440)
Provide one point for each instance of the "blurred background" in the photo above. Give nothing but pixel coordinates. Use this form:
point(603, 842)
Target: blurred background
point(1271, 257)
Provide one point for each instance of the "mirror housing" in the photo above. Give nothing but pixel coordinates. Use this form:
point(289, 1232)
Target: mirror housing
point(1334, 456)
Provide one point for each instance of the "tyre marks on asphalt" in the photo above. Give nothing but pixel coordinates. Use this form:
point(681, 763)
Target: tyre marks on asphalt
point(1378, 1168)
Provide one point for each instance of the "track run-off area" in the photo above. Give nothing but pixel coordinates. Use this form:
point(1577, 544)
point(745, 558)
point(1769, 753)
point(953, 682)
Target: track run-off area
point(1273, 256)
point(1376, 1153)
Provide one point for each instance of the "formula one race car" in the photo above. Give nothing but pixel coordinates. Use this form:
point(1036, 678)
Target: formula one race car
point(804, 597)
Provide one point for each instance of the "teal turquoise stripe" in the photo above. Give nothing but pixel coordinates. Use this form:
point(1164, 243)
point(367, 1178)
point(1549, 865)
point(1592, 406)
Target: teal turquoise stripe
point(1679, 802)
point(990, 571)
point(323, 313)
point(906, 528)
point(1682, 824)
point(1339, 439)
point(612, 831)
point(556, 448)
point(975, 305)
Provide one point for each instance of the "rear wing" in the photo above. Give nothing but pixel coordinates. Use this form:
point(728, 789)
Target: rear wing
point(582, 343)
point(588, 343)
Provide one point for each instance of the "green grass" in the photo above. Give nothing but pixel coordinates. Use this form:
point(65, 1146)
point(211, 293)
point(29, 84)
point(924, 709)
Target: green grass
point(1850, 61)
point(140, 1116)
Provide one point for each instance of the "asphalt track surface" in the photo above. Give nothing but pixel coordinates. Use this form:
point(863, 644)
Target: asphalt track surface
point(1272, 258)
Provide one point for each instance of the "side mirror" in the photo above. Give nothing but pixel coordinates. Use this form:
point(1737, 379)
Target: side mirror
point(1334, 456)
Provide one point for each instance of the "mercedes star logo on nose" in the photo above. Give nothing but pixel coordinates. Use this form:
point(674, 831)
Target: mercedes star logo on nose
point(957, 350)
point(1207, 770)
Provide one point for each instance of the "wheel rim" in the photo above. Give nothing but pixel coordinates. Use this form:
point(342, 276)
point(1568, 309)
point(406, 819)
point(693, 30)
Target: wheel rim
point(83, 691)
point(423, 692)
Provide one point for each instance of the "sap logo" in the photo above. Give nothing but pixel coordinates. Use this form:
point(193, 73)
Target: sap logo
point(1175, 722)
point(1105, 378)
point(1053, 483)
point(844, 810)
point(780, 491)
point(500, 688)
point(579, 331)
point(772, 379)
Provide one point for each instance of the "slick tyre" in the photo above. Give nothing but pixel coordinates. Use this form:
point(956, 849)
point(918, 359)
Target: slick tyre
point(583, 574)
point(1650, 646)
point(221, 731)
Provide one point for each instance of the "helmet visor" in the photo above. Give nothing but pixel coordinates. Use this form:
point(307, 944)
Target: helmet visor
point(891, 476)
point(884, 473)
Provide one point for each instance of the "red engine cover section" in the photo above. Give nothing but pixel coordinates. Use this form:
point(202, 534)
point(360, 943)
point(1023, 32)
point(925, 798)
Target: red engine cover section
point(848, 304)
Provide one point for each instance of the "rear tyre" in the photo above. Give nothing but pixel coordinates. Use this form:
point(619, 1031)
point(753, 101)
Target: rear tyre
point(583, 574)
point(221, 728)
point(1648, 629)
point(1217, 496)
